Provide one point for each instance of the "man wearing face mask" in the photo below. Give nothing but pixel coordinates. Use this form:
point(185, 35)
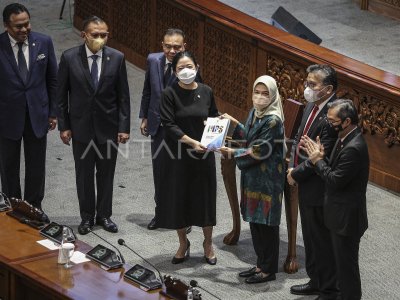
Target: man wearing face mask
point(94, 111)
point(158, 76)
point(28, 72)
point(346, 177)
point(321, 85)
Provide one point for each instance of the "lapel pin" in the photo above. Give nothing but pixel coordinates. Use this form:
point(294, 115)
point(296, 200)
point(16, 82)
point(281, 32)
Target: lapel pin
point(33, 44)
point(108, 58)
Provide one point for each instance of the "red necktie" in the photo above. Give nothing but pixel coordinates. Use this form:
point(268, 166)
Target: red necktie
point(305, 131)
point(310, 119)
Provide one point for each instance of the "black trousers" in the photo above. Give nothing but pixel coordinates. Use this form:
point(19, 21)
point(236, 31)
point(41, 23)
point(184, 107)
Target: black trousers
point(346, 249)
point(320, 264)
point(88, 159)
point(157, 147)
point(35, 165)
point(266, 245)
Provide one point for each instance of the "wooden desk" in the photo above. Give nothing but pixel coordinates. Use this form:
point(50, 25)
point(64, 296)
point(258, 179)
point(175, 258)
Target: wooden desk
point(29, 271)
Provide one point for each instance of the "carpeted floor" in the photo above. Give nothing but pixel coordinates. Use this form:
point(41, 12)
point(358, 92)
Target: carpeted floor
point(134, 206)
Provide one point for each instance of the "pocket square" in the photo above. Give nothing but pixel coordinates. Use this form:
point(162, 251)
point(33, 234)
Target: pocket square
point(40, 57)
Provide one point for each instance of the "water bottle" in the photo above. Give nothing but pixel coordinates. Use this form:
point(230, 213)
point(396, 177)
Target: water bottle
point(190, 294)
point(62, 258)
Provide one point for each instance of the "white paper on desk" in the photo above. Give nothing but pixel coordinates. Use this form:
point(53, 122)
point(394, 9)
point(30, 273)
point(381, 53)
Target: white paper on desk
point(79, 257)
point(48, 244)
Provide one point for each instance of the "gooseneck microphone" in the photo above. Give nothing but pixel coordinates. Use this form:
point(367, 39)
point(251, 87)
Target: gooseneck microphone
point(122, 243)
point(194, 283)
point(120, 257)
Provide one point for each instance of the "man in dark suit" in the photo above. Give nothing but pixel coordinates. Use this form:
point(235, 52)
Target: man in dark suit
point(28, 76)
point(346, 178)
point(158, 76)
point(94, 110)
point(320, 90)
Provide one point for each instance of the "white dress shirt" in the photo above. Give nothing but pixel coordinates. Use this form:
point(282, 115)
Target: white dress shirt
point(15, 48)
point(90, 60)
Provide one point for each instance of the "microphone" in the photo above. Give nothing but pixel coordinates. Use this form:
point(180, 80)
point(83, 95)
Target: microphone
point(120, 257)
point(122, 243)
point(194, 283)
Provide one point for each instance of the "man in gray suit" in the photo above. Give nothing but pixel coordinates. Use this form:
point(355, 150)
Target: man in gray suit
point(321, 85)
point(159, 75)
point(94, 111)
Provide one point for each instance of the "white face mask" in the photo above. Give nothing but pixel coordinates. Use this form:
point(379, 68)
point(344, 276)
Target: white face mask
point(260, 102)
point(187, 76)
point(311, 95)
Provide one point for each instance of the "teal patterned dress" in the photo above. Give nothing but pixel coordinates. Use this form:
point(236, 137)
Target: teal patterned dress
point(262, 169)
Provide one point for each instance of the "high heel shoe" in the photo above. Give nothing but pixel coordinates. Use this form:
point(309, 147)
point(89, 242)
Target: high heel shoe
point(178, 260)
point(209, 260)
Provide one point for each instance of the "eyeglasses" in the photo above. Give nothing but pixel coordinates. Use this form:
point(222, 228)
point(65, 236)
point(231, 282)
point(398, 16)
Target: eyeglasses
point(175, 47)
point(103, 35)
point(332, 122)
point(310, 85)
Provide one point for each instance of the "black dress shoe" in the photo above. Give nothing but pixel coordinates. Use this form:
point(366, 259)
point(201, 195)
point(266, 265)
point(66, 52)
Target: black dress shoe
point(45, 218)
point(249, 272)
point(107, 224)
point(85, 227)
point(178, 260)
point(152, 224)
point(304, 289)
point(258, 278)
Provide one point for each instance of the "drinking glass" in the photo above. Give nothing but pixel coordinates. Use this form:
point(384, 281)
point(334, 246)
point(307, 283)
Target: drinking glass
point(68, 249)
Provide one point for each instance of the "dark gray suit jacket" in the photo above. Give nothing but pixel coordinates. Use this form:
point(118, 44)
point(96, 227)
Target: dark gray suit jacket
point(91, 113)
point(311, 187)
point(346, 179)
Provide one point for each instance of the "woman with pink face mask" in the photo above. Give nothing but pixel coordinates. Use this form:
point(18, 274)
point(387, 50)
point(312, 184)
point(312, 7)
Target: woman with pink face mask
point(261, 162)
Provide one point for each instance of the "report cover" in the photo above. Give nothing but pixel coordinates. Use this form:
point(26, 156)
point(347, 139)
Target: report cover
point(214, 133)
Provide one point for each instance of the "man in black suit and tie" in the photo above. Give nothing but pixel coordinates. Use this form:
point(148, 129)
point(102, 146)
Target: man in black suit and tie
point(346, 178)
point(28, 77)
point(94, 111)
point(320, 90)
point(158, 76)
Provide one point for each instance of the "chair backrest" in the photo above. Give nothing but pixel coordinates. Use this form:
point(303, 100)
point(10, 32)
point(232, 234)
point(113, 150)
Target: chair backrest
point(293, 111)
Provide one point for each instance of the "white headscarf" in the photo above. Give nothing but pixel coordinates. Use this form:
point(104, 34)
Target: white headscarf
point(275, 108)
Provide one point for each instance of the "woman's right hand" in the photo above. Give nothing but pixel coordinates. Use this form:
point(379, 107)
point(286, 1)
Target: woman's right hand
point(233, 120)
point(198, 147)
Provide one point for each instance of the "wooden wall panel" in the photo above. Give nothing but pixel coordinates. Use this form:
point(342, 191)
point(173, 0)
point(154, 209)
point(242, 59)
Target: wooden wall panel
point(229, 60)
point(233, 48)
point(389, 8)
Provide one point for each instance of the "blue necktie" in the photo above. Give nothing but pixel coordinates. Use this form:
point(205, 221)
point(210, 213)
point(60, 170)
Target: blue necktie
point(23, 68)
point(94, 71)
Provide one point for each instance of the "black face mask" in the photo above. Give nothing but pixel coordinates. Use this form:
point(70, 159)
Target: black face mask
point(333, 130)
